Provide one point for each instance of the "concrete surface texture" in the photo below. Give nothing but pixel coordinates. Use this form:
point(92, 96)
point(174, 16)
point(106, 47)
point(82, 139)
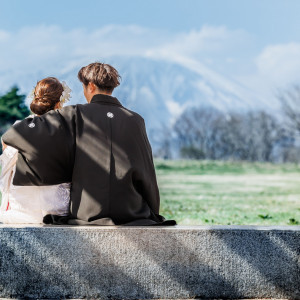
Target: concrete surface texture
point(149, 262)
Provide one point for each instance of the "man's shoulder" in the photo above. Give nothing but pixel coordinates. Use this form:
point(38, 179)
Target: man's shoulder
point(127, 112)
point(133, 114)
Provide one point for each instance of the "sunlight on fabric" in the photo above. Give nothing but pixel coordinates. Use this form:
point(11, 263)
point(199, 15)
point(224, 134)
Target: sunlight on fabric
point(100, 157)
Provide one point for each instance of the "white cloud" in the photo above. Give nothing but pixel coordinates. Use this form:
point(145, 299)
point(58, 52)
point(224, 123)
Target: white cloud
point(276, 67)
point(205, 44)
point(38, 48)
point(280, 63)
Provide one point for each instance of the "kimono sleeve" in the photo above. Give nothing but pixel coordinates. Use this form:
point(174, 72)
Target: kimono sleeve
point(46, 146)
point(145, 180)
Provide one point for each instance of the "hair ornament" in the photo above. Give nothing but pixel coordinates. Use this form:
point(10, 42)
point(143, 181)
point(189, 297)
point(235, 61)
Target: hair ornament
point(66, 94)
point(31, 95)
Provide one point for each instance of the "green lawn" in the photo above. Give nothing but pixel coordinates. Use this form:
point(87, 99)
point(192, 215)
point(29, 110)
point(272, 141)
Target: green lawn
point(214, 192)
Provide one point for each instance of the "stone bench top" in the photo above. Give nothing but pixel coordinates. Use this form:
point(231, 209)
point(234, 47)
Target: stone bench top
point(159, 228)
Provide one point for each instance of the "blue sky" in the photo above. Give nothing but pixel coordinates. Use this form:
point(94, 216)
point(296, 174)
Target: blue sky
point(255, 42)
point(271, 21)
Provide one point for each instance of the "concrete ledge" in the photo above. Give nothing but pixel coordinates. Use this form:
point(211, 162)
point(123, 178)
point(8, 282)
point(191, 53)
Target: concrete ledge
point(150, 262)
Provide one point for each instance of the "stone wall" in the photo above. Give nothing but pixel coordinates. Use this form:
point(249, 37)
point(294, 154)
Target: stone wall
point(150, 262)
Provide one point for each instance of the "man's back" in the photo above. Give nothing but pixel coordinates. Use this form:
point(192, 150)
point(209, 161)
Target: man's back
point(113, 180)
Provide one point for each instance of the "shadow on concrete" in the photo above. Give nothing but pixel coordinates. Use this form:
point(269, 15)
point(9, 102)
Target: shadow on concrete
point(38, 263)
point(272, 254)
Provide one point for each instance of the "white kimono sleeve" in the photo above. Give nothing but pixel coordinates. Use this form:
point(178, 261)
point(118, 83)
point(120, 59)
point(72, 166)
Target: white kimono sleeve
point(8, 161)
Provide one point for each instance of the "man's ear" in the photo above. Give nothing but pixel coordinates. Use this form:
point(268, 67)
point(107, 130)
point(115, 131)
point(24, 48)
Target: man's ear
point(92, 87)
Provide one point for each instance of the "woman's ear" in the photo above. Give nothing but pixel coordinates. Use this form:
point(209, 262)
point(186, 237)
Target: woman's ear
point(58, 105)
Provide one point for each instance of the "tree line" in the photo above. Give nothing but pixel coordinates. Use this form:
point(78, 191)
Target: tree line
point(207, 133)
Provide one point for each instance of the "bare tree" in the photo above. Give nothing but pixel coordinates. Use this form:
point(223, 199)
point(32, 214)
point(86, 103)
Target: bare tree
point(209, 133)
point(290, 103)
point(194, 130)
point(264, 133)
point(164, 139)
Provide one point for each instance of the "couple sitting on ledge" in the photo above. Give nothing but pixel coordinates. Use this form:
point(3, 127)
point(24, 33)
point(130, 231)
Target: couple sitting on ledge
point(85, 164)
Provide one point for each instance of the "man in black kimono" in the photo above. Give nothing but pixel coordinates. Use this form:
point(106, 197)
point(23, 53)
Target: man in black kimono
point(101, 147)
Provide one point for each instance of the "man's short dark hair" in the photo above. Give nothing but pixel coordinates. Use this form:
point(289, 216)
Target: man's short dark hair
point(104, 76)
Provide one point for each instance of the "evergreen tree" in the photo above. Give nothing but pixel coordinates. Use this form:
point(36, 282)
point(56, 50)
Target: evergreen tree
point(12, 108)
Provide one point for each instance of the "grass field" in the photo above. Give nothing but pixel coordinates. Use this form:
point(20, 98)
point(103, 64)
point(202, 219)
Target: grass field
point(210, 192)
point(229, 193)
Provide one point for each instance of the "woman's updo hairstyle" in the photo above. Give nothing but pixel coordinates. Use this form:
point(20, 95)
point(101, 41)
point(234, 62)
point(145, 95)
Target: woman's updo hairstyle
point(46, 94)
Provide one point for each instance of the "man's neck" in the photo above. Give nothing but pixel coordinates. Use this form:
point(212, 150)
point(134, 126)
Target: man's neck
point(99, 93)
point(103, 93)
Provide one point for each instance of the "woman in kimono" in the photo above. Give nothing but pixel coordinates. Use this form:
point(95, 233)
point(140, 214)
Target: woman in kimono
point(29, 204)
